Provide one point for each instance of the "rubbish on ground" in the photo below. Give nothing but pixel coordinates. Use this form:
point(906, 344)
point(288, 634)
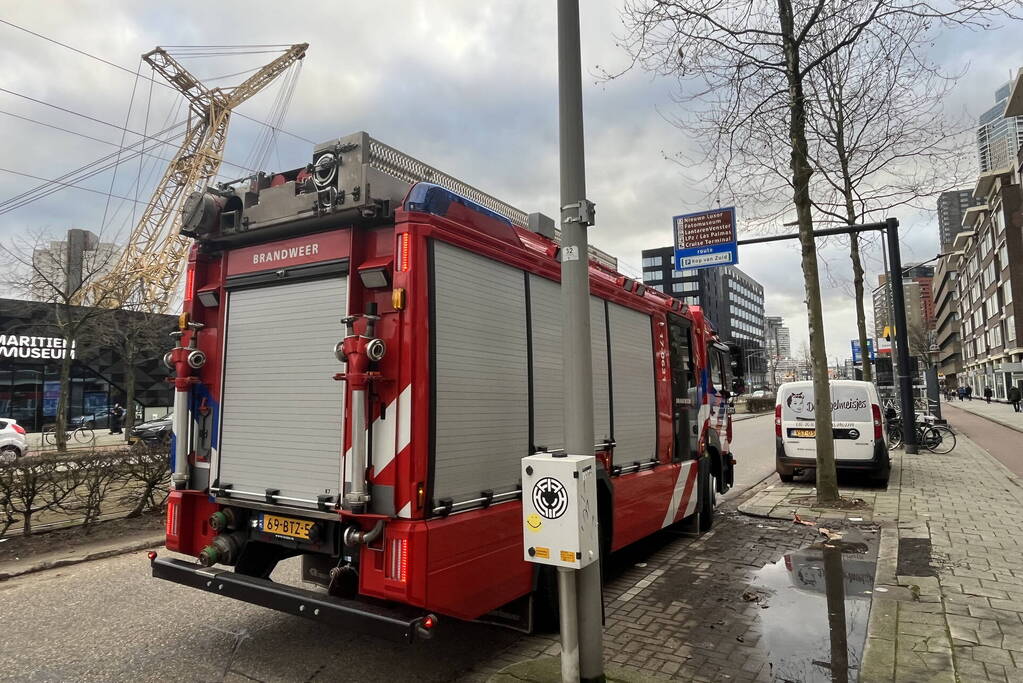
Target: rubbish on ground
point(798, 520)
point(881, 589)
point(740, 639)
point(641, 564)
point(831, 535)
point(855, 519)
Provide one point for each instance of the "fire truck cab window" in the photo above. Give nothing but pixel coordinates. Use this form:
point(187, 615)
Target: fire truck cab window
point(717, 376)
point(683, 384)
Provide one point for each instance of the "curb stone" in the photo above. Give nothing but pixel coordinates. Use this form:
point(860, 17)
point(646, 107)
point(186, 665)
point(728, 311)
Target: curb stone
point(156, 540)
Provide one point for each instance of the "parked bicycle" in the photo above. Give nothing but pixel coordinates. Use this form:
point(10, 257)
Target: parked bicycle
point(82, 435)
point(936, 438)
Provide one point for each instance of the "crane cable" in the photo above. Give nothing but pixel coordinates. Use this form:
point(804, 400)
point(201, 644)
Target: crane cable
point(127, 70)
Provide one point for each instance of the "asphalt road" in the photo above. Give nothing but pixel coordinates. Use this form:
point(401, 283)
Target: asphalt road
point(753, 450)
point(110, 620)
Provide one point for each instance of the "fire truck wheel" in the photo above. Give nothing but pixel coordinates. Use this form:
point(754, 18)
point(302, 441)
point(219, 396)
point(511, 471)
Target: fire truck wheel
point(706, 495)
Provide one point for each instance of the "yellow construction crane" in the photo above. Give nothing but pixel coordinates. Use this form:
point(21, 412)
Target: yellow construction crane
point(147, 273)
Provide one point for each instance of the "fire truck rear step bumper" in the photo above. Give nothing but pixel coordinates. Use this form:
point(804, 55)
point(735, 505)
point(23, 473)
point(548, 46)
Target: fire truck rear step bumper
point(385, 621)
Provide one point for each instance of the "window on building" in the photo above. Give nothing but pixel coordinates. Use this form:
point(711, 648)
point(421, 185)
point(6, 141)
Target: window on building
point(651, 261)
point(1010, 329)
point(652, 275)
point(1007, 291)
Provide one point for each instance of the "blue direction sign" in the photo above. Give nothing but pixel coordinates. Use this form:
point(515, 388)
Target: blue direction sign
point(857, 356)
point(705, 239)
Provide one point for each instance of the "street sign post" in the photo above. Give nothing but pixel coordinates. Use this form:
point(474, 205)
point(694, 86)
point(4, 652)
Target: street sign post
point(857, 355)
point(705, 239)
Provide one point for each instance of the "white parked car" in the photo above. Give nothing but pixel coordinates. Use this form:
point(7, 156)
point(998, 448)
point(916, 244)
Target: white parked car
point(857, 425)
point(13, 443)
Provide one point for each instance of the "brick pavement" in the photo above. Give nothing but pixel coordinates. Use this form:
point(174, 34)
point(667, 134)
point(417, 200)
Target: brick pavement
point(948, 598)
point(674, 606)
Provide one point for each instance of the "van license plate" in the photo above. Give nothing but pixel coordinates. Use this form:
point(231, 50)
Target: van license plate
point(286, 526)
point(803, 433)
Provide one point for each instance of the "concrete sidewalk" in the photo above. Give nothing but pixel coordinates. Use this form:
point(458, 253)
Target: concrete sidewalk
point(948, 595)
point(1002, 413)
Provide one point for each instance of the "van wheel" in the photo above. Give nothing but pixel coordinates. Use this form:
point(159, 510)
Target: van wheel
point(786, 477)
point(707, 496)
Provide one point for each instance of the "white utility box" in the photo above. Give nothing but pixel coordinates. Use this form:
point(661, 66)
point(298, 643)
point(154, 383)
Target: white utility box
point(559, 510)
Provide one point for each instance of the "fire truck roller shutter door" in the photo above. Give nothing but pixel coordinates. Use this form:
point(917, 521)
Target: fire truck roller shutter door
point(548, 380)
point(632, 367)
point(601, 387)
point(481, 391)
point(282, 409)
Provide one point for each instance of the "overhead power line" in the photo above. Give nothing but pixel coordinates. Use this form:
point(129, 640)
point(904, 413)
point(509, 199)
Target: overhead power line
point(77, 187)
point(127, 70)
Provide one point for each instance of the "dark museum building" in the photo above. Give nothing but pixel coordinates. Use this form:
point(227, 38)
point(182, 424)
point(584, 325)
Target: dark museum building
point(31, 349)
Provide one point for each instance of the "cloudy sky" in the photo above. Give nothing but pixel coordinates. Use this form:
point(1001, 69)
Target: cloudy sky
point(468, 86)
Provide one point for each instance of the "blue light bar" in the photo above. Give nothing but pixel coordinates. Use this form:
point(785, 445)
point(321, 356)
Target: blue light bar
point(432, 198)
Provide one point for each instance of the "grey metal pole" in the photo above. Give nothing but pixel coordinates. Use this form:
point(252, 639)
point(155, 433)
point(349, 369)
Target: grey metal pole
point(901, 337)
point(568, 609)
point(576, 216)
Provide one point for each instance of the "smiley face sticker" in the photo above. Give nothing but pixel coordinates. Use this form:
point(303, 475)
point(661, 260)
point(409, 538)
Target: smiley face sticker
point(533, 522)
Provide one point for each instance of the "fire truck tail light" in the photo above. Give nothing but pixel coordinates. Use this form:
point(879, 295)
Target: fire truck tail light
point(404, 252)
point(173, 518)
point(189, 283)
point(397, 567)
point(777, 420)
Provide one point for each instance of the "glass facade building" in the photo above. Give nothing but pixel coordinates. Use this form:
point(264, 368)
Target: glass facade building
point(31, 351)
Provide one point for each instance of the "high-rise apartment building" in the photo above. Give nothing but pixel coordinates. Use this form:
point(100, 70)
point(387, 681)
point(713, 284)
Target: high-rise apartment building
point(990, 286)
point(917, 283)
point(999, 136)
point(60, 268)
point(777, 337)
point(730, 299)
point(951, 208)
point(946, 313)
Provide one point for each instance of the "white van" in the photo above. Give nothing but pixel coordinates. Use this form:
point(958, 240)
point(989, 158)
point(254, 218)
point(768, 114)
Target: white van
point(860, 439)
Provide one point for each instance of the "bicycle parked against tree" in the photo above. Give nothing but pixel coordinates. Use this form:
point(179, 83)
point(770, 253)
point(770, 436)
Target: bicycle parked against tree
point(82, 435)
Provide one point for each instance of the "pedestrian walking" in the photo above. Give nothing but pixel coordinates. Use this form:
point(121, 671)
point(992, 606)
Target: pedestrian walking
point(961, 392)
point(987, 394)
point(116, 415)
point(969, 393)
point(1014, 397)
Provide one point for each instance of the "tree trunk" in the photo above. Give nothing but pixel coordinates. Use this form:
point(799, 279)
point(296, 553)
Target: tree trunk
point(861, 317)
point(64, 399)
point(827, 479)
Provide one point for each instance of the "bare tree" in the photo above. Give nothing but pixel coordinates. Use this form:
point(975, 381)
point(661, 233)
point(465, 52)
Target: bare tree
point(138, 337)
point(746, 65)
point(879, 136)
point(48, 270)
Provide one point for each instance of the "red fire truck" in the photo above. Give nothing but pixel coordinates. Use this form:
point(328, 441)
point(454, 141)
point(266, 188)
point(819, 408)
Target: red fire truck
point(368, 348)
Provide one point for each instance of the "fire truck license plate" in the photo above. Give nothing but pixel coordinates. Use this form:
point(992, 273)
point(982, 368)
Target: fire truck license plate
point(285, 526)
point(804, 433)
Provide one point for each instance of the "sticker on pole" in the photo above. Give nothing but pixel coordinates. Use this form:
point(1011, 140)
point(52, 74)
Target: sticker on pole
point(705, 239)
point(550, 498)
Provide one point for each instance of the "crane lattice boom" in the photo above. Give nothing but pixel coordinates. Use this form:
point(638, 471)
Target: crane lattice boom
point(146, 275)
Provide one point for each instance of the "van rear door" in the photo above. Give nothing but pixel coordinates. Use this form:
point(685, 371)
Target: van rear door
point(797, 421)
point(853, 421)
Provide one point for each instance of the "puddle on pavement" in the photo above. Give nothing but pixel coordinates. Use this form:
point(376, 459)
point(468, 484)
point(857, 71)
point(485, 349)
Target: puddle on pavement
point(818, 602)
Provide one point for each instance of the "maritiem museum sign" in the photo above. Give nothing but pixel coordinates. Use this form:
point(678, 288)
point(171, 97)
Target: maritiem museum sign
point(24, 346)
point(705, 239)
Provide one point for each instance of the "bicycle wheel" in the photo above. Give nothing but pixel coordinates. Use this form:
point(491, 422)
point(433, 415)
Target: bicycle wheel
point(894, 436)
point(84, 435)
point(928, 438)
point(945, 439)
point(50, 436)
